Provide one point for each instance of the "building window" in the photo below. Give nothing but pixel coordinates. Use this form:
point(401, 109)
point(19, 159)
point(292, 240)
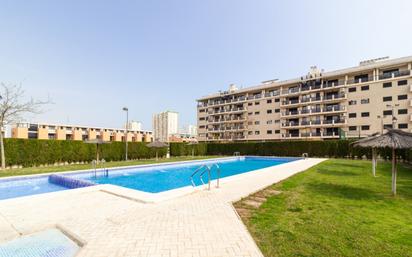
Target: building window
point(249, 123)
point(352, 102)
point(257, 113)
point(403, 111)
point(257, 103)
point(269, 111)
point(352, 89)
point(201, 127)
point(250, 132)
point(249, 104)
point(269, 132)
point(402, 82)
point(277, 100)
point(387, 98)
point(402, 97)
point(364, 101)
point(257, 122)
point(269, 101)
point(202, 118)
point(352, 115)
point(365, 88)
point(277, 131)
point(387, 84)
point(257, 132)
point(277, 121)
point(269, 122)
point(365, 114)
point(403, 125)
point(387, 112)
point(387, 126)
point(365, 127)
point(250, 113)
point(277, 110)
point(352, 128)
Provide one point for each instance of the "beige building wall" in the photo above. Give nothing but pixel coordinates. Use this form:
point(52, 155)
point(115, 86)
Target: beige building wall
point(60, 133)
point(105, 135)
point(91, 132)
point(19, 133)
point(321, 105)
point(43, 132)
point(77, 134)
point(70, 132)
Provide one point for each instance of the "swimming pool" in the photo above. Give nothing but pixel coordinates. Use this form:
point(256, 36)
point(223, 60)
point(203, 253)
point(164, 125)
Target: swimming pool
point(146, 178)
point(17, 187)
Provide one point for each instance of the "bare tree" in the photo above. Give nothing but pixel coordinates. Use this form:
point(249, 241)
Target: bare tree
point(12, 107)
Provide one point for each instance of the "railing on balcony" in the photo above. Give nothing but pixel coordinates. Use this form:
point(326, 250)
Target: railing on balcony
point(310, 134)
point(312, 122)
point(335, 108)
point(273, 93)
point(394, 74)
point(334, 96)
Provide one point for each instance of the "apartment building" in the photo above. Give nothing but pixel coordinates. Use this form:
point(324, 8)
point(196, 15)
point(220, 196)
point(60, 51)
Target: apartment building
point(165, 124)
point(75, 132)
point(351, 102)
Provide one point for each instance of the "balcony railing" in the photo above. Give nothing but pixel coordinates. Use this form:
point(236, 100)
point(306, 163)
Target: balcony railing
point(394, 74)
point(313, 123)
point(310, 134)
point(336, 108)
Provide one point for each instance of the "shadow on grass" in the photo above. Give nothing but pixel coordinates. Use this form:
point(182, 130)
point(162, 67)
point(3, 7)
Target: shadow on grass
point(336, 172)
point(343, 191)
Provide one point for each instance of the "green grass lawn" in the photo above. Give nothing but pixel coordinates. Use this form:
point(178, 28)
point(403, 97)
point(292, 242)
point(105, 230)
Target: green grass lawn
point(336, 208)
point(39, 170)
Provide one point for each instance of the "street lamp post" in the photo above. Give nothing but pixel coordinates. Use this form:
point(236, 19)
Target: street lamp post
point(127, 128)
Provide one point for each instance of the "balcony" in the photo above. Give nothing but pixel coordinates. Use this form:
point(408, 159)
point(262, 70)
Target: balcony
point(394, 74)
point(303, 135)
point(258, 96)
point(271, 94)
point(314, 123)
point(334, 97)
point(317, 111)
point(239, 109)
point(302, 101)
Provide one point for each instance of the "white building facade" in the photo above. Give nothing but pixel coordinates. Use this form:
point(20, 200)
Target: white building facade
point(164, 125)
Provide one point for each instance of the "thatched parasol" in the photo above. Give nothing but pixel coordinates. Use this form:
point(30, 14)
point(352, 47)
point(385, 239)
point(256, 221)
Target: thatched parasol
point(193, 143)
point(97, 142)
point(157, 144)
point(395, 139)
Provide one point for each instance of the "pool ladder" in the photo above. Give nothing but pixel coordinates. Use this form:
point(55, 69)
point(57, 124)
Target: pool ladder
point(94, 166)
point(203, 169)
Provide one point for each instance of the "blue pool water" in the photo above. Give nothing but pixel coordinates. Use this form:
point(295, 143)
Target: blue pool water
point(161, 178)
point(153, 179)
point(16, 187)
point(49, 243)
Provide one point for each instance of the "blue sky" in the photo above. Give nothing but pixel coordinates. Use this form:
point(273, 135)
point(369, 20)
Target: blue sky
point(94, 57)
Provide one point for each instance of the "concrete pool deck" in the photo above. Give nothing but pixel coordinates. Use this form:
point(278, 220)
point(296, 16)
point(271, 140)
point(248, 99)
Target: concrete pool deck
point(113, 221)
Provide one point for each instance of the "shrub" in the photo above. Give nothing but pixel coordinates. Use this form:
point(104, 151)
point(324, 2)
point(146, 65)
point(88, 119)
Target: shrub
point(30, 152)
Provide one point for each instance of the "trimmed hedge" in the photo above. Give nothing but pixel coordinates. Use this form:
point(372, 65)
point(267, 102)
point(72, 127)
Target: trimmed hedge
point(182, 149)
point(31, 152)
point(330, 148)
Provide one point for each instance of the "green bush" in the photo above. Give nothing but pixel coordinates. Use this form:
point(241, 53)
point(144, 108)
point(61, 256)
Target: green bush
point(329, 148)
point(183, 149)
point(30, 152)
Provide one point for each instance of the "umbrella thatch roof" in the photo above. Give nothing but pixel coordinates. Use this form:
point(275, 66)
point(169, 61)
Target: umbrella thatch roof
point(394, 138)
point(96, 141)
point(157, 144)
point(193, 143)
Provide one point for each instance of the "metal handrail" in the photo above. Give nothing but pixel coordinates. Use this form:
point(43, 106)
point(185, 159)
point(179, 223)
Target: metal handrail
point(208, 169)
point(196, 171)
